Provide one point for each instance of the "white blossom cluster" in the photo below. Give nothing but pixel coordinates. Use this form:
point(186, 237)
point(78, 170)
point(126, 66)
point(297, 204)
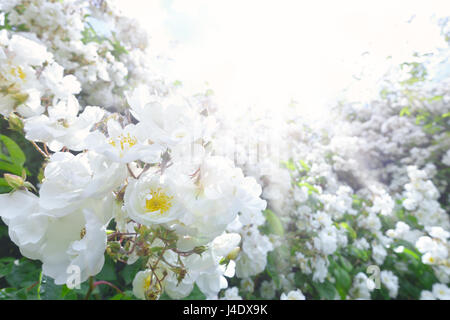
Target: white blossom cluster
point(106, 51)
point(195, 194)
point(149, 172)
point(370, 190)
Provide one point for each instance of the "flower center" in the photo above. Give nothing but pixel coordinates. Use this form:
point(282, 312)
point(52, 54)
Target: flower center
point(82, 233)
point(158, 200)
point(147, 283)
point(18, 72)
point(123, 141)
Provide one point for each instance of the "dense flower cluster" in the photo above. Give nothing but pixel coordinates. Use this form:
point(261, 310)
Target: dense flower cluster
point(193, 194)
point(369, 191)
point(141, 185)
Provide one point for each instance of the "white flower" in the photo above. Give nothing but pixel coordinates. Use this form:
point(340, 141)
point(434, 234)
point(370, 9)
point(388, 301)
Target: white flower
point(224, 244)
point(178, 290)
point(168, 122)
point(441, 291)
point(153, 199)
point(293, 295)
point(433, 251)
point(425, 244)
point(77, 239)
point(28, 52)
point(141, 283)
point(382, 202)
point(446, 158)
point(267, 290)
point(211, 283)
point(439, 232)
point(427, 295)
point(326, 241)
point(231, 294)
point(63, 126)
point(321, 269)
point(126, 144)
point(70, 180)
point(26, 224)
point(62, 86)
point(247, 285)
point(253, 258)
point(390, 280)
point(362, 286)
point(379, 253)
point(211, 195)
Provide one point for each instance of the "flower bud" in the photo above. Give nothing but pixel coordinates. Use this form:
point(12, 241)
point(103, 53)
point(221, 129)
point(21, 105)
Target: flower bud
point(15, 122)
point(233, 253)
point(199, 249)
point(14, 181)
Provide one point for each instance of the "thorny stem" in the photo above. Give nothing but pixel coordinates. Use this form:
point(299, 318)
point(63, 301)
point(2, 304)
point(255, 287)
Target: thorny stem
point(108, 284)
point(131, 172)
point(45, 155)
point(146, 167)
point(183, 253)
point(46, 150)
point(134, 245)
point(32, 286)
point(112, 235)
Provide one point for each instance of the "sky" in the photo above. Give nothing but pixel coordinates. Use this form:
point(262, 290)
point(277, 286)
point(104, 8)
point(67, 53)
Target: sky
point(266, 54)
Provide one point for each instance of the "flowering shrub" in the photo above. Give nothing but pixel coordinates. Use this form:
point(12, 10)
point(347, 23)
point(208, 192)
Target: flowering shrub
point(141, 185)
point(118, 185)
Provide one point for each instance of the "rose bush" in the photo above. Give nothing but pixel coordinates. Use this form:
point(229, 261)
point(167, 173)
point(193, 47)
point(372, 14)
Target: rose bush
point(119, 185)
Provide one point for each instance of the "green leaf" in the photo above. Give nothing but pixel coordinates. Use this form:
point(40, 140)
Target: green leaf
point(24, 273)
point(325, 289)
point(405, 111)
point(129, 271)
point(68, 294)
point(272, 269)
point(350, 230)
point(311, 188)
point(343, 281)
point(6, 265)
point(347, 265)
point(15, 153)
point(11, 167)
point(411, 254)
point(48, 290)
point(3, 232)
point(127, 295)
point(108, 272)
point(274, 223)
point(304, 165)
point(289, 165)
point(13, 294)
point(360, 254)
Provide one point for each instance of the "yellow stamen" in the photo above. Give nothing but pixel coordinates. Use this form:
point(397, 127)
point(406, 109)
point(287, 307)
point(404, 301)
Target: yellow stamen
point(147, 282)
point(159, 201)
point(124, 141)
point(18, 72)
point(82, 233)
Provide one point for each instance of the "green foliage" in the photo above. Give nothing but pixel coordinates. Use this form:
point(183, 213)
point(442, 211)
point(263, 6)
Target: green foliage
point(417, 72)
point(273, 223)
point(8, 26)
point(90, 35)
point(17, 154)
point(19, 278)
